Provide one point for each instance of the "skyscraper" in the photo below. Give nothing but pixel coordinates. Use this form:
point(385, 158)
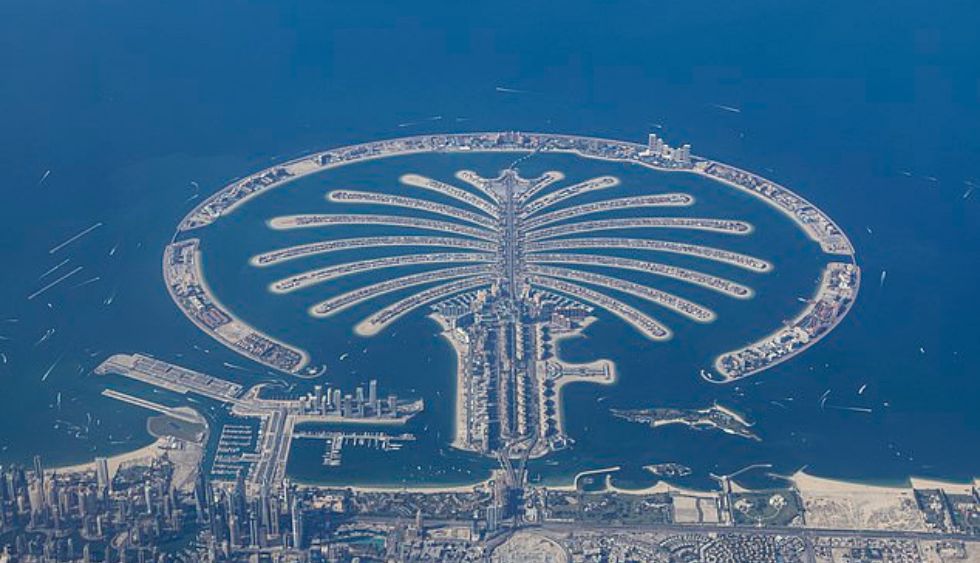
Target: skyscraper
point(297, 521)
point(318, 398)
point(102, 474)
point(655, 145)
point(39, 470)
point(373, 392)
point(684, 154)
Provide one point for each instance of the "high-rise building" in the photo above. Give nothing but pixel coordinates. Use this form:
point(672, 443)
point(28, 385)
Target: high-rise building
point(102, 474)
point(683, 155)
point(148, 498)
point(233, 530)
point(655, 145)
point(297, 521)
point(254, 529)
point(492, 518)
point(39, 470)
point(274, 513)
point(201, 495)
point(373, 391)
point(317, 397)
point(266, 516)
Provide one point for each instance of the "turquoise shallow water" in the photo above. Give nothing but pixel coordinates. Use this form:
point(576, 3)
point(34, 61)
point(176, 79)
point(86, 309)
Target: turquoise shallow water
point(128, 105)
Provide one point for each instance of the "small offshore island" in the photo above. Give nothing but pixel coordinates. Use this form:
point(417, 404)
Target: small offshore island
point(714, 417)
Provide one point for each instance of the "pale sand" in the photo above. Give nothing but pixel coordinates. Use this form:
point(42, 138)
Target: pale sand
point(220, 334)
point(821, 291)
point(661, 487)
point(573, 486)
point(830, 503)
point(468, 488)
point(949, 487)
point(192, 416)
point(459, 423)
point(737, 416)
point(809, 484)
point(658, 487)
point(152, 451)
point(566, 379)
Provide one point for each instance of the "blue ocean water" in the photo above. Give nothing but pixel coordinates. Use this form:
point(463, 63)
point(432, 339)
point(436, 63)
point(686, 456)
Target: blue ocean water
point(870, 110)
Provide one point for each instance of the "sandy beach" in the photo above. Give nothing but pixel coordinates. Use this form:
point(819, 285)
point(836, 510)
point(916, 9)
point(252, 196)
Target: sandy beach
point(432, 489)
point(564, 380)
point(459, 420)
point(146, 453)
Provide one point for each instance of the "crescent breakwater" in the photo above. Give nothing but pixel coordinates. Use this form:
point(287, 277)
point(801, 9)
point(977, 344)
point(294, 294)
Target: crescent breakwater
point(810, 218)
point(834, 298)
point(185, 281)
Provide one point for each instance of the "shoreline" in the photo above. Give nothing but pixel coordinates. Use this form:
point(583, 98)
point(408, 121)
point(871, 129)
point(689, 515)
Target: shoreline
point(802, 482)
point(151, 451)
point(199, 279)
point(431, 489)
point(564, 380)
point(821, 291)
point(459, 418)
point(815, 223)
point(320, 161)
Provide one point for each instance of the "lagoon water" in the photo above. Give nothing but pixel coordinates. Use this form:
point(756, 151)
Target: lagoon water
point(137, 110)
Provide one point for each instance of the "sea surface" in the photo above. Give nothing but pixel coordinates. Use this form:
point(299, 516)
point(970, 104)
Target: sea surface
point(124, 115)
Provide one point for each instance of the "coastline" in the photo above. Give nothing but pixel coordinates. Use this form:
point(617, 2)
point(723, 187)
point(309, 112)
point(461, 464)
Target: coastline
point(459, 418)
point(820, 292)
point(806, 484)
point(149, 452)
point(564, 380)
point(315, 162)
point(430, 489)
point(199, 279)
point(818, 226)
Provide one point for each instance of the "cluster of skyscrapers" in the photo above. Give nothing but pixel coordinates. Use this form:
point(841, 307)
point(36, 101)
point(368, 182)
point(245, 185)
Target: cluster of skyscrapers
point(333, 401)
point(238, 521)
point(47, 516)
point(659, 148)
